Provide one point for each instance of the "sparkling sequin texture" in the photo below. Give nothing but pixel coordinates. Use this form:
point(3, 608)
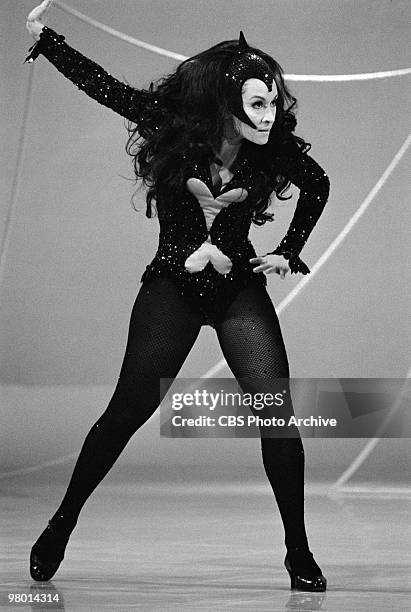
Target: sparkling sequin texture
point(183, 227)
point(246, 65)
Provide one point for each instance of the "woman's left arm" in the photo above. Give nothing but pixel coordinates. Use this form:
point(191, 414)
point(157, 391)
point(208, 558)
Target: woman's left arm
point(314, 185)
point(133, 104)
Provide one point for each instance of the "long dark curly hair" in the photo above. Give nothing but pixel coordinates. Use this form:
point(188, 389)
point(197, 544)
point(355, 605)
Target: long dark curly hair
point(184, 119)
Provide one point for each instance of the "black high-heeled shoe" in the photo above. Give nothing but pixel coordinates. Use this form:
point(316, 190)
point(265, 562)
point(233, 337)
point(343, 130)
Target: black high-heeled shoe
point(48, 551)
point(305, 574)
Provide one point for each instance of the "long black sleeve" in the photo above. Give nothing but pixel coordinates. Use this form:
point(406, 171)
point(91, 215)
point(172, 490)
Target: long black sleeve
point(91, 78)
point(314, 185)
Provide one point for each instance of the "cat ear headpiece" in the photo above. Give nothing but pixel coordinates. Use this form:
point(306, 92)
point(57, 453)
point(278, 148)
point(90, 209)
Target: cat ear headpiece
point(246, 65)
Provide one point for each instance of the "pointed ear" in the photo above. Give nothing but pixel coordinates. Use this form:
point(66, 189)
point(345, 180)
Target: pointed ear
point(242, 43)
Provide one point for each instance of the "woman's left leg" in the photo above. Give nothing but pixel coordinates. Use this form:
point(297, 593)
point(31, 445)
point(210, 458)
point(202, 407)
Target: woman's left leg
point(252, 343)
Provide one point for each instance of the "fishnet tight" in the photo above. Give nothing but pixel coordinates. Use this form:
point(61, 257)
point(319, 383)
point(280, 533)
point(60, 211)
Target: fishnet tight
point(163, 328)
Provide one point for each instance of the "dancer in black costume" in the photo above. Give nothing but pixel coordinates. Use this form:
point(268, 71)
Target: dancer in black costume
point(211, 142)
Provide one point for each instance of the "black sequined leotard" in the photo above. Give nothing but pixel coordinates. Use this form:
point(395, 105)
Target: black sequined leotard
point(203, 245)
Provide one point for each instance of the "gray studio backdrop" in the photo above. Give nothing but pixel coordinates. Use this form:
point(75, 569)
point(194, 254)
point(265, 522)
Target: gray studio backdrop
point(77, 248)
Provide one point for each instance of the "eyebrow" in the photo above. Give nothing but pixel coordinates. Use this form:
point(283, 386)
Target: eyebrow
point(262, 97)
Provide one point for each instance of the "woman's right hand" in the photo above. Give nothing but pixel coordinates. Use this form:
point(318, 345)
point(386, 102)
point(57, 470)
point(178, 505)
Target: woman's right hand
point(36, 19)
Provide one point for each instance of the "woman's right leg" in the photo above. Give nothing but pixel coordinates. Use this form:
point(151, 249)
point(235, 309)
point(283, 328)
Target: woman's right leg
point(251, 339)
point(163, 328)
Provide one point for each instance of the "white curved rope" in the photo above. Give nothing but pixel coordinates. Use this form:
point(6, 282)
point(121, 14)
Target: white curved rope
point(370, 490)
point(334, 245)
point(372, 443)
point(341, 78)
point(160, 51)
point(116, 33)
point(40, 466)
point(15, 188)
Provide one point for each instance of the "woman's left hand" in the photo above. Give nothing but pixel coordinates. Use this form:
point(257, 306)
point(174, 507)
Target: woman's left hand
point(270, 264)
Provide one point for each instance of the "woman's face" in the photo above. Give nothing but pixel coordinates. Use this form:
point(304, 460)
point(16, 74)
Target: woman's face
point(260, 106)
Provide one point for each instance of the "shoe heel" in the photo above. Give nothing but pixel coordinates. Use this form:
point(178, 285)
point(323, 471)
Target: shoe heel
point(292, 577)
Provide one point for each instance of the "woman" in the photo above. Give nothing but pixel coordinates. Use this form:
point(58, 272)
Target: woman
point(211, 142)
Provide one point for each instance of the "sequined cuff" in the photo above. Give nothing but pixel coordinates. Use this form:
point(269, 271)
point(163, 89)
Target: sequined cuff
point(296, 264)
point(48, 37)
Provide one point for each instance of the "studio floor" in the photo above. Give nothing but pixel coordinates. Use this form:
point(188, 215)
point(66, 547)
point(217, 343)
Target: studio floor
point(206, 545)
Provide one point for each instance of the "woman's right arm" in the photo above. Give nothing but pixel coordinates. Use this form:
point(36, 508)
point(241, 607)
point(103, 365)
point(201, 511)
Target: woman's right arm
point(87, 75)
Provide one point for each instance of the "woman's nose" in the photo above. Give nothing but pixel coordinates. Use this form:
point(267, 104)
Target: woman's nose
point(269, 115)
